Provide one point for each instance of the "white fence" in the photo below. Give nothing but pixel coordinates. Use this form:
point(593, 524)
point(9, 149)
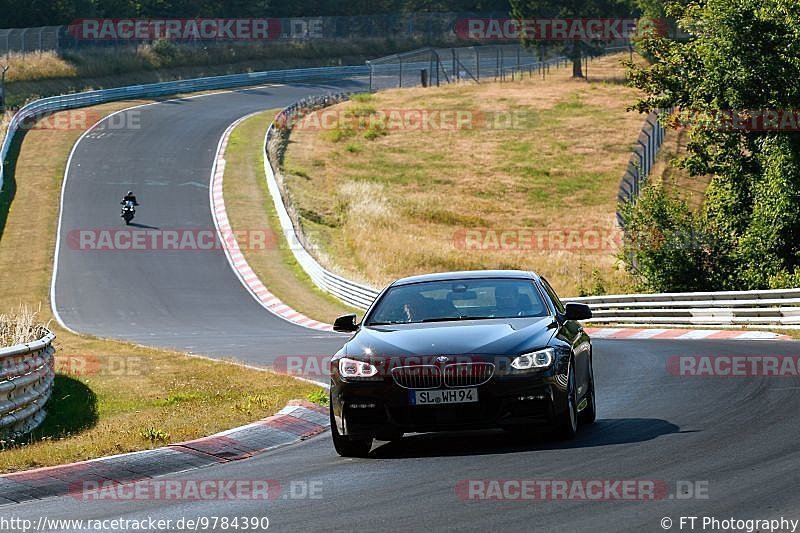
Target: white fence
point(26, 381)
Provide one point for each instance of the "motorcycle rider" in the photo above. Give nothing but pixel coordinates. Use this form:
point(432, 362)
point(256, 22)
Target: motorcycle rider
point(130, 197)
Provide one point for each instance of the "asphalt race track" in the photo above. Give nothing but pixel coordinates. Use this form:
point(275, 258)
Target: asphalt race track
point(735, 437)
point(187, 299)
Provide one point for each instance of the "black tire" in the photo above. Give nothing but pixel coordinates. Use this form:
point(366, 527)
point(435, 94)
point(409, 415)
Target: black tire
point(589, 413)
point(567, 421)
point(349, 447)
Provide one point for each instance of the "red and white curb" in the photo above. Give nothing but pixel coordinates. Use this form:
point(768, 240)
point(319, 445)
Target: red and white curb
point(234, 253)
point(298, 421)
point(684, 334)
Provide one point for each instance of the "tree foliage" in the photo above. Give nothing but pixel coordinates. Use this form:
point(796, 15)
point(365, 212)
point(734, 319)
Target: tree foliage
point(743, 59)
point(571, 9)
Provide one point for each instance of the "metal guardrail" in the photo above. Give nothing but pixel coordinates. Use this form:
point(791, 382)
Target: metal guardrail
point(642, 160)
point(780, 307)
point(27, 372)
point(46, 106)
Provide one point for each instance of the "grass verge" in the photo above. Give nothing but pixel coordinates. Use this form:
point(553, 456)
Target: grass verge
point(250, 208)
point(538, 161)
point(109, 397)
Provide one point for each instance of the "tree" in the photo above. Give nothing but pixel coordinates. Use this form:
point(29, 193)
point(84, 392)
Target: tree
point(742, 61)
point(576, 49)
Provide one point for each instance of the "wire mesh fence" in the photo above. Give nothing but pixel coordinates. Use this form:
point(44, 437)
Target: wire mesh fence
point(30, 39)
point(106, 33)
point(436, 66)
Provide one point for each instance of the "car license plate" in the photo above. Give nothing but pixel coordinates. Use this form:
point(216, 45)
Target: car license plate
point(442, 397)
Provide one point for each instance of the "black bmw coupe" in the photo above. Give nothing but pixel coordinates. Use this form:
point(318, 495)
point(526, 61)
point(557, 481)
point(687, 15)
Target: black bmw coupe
point(461, 350)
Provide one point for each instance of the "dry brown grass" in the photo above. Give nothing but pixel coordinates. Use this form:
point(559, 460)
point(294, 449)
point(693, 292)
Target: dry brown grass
point(383, 203)
point(109, 397)
point(677, 181)
point(19, 327)
point(37, 65)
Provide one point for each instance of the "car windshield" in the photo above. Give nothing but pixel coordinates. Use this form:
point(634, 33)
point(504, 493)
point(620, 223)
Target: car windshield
point(470, 299)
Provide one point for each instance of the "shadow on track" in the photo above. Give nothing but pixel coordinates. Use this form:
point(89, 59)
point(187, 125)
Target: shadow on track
point(143, 226)
point(604, 432)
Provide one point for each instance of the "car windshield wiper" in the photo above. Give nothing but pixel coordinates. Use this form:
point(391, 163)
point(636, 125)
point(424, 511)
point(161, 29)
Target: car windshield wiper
point(455, 318)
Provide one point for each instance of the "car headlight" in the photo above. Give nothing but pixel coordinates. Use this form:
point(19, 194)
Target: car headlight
point(352, 369)
point(534, 360)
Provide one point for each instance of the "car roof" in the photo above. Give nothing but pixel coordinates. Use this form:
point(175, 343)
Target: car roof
point(467, 274)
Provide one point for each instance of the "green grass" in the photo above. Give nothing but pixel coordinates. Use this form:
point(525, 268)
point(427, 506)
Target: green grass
point(382, 202)
point(160, 396)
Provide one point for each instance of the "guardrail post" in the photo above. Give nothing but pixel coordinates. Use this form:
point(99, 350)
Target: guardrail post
point(647, 153)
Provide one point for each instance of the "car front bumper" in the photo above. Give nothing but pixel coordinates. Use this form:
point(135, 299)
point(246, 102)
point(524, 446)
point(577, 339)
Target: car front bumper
point(378, 408)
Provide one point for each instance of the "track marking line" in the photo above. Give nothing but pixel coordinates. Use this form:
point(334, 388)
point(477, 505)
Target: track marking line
point(74, 149)
point(232, 250)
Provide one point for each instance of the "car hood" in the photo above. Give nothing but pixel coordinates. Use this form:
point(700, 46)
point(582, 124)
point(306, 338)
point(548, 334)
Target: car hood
point(474, 337)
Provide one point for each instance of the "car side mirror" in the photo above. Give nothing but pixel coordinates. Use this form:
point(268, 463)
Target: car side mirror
point(345, 324)
point(576, 311)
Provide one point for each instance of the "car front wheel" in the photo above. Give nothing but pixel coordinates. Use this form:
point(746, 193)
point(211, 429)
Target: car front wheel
point(589, 413)
point(348, 446)
point(567, 421)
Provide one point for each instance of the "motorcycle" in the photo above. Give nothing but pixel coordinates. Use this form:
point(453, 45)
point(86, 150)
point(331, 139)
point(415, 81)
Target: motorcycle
point(128, 211)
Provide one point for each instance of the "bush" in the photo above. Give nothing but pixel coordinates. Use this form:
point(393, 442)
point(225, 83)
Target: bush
point(668, 248)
